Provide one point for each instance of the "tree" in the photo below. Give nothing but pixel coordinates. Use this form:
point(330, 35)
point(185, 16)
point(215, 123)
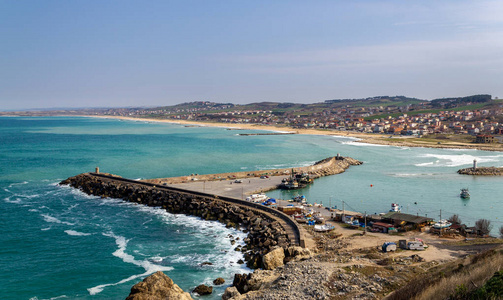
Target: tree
point(501, 232)
point(483, 226)
point(454, 219)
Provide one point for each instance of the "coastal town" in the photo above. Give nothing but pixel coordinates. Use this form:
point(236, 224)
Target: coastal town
point(473, 115)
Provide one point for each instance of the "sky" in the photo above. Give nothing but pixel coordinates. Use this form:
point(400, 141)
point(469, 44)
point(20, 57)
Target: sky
point(90, 53)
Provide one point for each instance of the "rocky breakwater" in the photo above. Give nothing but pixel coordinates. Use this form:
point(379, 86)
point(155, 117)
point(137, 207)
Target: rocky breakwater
point(331, 166)
point(264, 231)
point(328, 166)
point(487, 171)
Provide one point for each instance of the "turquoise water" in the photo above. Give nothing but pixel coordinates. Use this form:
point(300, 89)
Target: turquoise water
point(59, 243)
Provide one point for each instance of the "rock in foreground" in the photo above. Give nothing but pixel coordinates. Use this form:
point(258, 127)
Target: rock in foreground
point(203, 290)
point(157, 286)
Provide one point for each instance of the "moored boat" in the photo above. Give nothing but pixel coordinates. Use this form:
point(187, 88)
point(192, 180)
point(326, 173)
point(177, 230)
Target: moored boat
point(442, 224)
point(257, 198)
point(465, 194)
point(395, 207)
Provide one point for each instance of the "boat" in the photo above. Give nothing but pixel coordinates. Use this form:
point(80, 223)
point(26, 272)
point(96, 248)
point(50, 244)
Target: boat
point(395, 207)
point(257, 198)
point(465, 194)
point(318, 218)
point(442, 224)
point(323, 228)
point(296, 181)
point(300, 199)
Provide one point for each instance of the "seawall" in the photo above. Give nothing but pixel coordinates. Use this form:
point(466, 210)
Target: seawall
point(267, 228)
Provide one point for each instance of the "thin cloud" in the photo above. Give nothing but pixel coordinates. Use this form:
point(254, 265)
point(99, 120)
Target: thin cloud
point(482, 51)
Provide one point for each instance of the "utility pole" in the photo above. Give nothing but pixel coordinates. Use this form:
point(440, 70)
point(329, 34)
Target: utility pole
point(365, 228)
point(343, 214)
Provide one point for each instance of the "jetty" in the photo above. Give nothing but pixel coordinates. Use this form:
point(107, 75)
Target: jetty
point(486, 171)
point(267, 227)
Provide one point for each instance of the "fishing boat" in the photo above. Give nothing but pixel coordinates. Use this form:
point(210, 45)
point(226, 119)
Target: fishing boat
point(296, 181)
point(395, 207)
point(442, 224)
point(465, 194)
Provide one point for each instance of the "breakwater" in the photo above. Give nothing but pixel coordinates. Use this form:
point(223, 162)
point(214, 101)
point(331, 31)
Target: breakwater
point(328, 166)
point(487, 171)
point(267, 228)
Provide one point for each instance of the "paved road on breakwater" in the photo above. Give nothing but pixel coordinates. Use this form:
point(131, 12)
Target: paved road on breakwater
point(294, 231)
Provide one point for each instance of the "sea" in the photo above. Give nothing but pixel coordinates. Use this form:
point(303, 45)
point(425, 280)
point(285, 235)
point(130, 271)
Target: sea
point(58, 243)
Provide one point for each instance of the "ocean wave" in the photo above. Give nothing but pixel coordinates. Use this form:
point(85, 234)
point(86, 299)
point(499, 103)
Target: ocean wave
point(76, 233)
point(455, 160)
point(360, 144)
point(15, 201)
point(284, 166)
point(413, 174)
point(149, 267)
point(52, 298)
point(17, 183)
point(51, 219)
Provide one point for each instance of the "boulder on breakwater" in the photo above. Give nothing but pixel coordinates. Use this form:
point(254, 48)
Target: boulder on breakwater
point(157, 286)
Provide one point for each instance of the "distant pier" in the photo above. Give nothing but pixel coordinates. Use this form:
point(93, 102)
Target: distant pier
point(269, 133)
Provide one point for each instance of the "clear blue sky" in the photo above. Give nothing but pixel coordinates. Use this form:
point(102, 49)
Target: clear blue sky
point(129, 53)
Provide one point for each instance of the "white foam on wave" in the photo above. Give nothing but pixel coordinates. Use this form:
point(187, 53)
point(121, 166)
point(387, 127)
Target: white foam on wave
point(413, 174)
point(360, 144)
point(450, 160)
point(51, 219)
point(17, 183)
point(76, 233)
point(45, 229)
point(52, 298)
point(149, 267)
point(284, 166)
point(15, 201)
point(223, 256)
point(342, 137)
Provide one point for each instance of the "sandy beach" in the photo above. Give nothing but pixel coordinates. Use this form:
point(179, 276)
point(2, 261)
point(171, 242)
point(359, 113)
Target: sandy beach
point(374, 138)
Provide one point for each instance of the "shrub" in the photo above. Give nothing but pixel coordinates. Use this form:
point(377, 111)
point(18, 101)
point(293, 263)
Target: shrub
point(454, 219)
point(483, 226)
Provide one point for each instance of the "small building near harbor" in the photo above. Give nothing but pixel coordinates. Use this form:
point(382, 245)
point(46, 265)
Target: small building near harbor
point(406, 221)
point(382, 227)
point(346, 216)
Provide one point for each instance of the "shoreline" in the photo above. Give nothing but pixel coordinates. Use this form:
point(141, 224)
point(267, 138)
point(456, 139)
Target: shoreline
point(374, 138)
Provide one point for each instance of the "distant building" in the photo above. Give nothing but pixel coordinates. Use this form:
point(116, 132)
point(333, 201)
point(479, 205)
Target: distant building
point(484, 139)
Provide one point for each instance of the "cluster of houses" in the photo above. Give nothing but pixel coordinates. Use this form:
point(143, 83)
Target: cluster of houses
point(394, 221)
point(399, 120)
point(390, 222)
